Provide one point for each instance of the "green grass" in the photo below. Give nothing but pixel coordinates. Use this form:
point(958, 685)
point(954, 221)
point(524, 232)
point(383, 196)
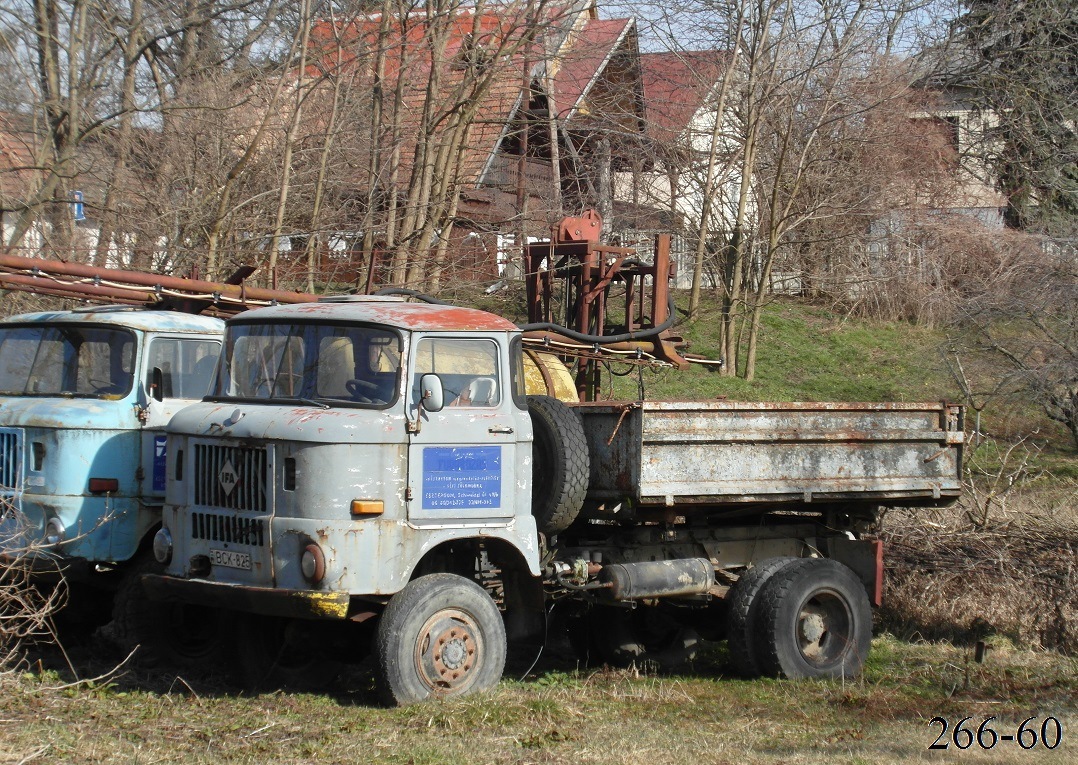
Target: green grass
point(562, 715)
point(809, 354)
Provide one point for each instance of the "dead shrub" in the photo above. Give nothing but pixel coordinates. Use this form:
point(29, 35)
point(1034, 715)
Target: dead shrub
point(26, 610)
point(951, 577)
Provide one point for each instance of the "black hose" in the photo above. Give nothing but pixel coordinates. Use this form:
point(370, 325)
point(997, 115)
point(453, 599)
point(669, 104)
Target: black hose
point(411, 293)
point(605, 339)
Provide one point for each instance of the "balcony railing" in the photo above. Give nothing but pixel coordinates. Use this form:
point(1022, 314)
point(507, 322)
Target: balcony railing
point(504, 168)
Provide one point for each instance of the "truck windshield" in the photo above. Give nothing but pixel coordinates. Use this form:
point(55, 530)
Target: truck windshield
point(95, 362)
point(331, 364)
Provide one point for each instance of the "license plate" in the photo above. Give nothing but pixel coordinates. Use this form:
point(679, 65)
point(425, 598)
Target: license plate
point(231, 559)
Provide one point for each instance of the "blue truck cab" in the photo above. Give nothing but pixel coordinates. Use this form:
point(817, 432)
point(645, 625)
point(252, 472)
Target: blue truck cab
point(84, 399)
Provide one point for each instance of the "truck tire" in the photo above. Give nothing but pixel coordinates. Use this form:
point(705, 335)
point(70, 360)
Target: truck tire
point(742, 614)
point(440, 636)
point(815, 621)
point(82, 608)
point(561, 466)
point(644, 636)
point(166, 633)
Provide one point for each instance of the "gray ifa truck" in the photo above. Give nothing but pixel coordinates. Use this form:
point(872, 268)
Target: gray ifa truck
point(84, 399)
point(364, 462)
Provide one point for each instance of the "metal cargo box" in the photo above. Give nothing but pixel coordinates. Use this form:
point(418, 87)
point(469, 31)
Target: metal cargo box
point(728, 453)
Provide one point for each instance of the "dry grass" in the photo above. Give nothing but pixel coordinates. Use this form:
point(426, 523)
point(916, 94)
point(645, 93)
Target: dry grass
point(948, 578)
point(966, 573)
point(558, 715)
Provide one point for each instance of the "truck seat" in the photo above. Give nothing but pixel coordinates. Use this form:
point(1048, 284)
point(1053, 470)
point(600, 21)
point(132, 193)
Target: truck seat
point(481, 391)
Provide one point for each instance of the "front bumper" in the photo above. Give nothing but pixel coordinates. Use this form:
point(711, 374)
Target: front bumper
point(298, 604)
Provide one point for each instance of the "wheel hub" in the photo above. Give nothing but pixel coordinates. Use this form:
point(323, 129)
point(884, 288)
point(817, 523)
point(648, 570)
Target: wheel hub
point(454, 652)
point(823, 628)
point(813, 628)
point(447, 651)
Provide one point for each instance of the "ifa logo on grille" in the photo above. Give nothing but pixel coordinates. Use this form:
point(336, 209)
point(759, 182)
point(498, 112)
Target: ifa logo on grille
point(228, 478)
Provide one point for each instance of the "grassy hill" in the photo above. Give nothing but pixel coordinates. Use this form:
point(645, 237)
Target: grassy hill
point(807, 353)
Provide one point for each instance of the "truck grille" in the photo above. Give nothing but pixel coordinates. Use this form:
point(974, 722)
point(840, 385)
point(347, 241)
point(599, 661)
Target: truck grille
point(233, 477)
point(228, 528)
point(9, 459)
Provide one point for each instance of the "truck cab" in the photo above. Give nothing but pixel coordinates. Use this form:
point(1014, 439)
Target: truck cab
point(84, 399)
point(343, 445)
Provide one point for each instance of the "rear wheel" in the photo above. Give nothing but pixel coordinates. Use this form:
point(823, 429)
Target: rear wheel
point(742, 615)
point(815, 621)
point(441, 635)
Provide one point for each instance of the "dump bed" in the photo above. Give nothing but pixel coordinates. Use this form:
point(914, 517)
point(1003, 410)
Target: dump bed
point(734, 453)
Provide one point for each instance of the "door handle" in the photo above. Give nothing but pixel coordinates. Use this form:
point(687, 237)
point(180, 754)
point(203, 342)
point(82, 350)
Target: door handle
point(499, 430)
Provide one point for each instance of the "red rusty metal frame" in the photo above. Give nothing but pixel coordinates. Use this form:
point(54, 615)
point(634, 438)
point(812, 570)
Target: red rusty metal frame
point(588, 270)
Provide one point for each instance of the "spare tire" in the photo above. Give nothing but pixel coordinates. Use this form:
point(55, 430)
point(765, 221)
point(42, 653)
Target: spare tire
point(561, 466)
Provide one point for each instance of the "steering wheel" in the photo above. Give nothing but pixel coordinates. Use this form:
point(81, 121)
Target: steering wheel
point(354, 386)
point(260, 388)
point(104, 387)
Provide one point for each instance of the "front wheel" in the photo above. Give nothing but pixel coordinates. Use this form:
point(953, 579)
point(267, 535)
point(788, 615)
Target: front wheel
point(815, 621)
point(441, 635)
point(181, 635)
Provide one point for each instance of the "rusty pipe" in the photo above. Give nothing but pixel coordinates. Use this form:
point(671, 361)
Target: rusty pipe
point(42, 285)
point(233, 292)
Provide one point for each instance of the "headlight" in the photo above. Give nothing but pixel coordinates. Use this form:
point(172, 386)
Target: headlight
point(313, 563)
point(54, 531)
point(162, 546)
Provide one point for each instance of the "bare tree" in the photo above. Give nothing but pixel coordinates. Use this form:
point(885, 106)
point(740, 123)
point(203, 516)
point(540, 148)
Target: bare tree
point(791, 123)
point(1023, 325)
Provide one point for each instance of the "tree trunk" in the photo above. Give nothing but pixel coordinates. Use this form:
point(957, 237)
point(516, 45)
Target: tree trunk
point(290, 140)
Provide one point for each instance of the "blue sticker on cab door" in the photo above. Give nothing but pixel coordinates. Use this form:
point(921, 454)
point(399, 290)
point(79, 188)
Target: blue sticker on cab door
point(455, 477)
point(159, 459)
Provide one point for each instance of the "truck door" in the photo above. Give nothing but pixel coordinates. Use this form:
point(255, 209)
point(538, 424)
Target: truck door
point(178, 372)
point(462, 462)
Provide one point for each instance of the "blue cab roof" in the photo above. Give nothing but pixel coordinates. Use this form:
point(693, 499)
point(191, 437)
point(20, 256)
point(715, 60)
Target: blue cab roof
point(125, 316)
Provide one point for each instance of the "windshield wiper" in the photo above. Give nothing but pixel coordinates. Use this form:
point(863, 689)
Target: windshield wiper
point(312, 402)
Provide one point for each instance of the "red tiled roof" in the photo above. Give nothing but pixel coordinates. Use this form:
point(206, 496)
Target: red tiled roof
point(494, 38)
point(676, 85)
point(584, 62)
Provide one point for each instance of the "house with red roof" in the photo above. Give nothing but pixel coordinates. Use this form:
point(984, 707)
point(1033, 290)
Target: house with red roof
point(493, 125)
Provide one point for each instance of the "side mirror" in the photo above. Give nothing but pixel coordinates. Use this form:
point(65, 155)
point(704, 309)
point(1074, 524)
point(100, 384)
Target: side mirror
point(157, 384)
point(431, 396)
